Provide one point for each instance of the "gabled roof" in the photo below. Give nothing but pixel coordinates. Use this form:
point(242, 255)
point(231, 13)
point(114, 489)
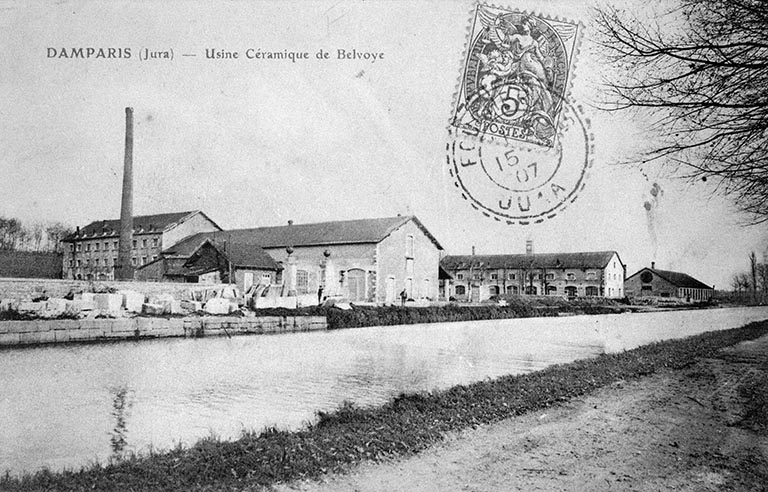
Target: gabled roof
point(678, 279)
point(239, 253)
point(590, 259)
point(323, 233)
point(141, 224)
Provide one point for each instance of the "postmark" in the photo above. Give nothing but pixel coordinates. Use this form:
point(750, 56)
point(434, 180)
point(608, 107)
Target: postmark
point(516, 76)
point(523, 184)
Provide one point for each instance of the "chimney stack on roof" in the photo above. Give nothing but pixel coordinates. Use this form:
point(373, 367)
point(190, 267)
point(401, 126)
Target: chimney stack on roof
point(473, 251)
point(529, 246)
point(653, 265)
point(290, 222)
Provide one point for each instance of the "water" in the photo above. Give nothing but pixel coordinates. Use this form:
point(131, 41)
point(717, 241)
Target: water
point(68, 406)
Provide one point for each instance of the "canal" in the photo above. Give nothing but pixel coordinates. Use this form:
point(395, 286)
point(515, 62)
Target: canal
point(71, 405)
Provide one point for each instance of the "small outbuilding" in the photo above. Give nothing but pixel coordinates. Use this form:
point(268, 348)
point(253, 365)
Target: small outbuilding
point(651, 282)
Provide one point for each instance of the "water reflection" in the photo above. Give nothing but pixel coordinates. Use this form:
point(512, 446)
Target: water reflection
point(121, 405)
point(115, 398)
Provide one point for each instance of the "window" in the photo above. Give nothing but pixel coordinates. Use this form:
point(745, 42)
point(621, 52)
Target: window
point(96, 262)
point(114, 244)
point(511, 276)
point(133, 261)
point(511, 289)
point(551, 290)
point(154, 257)
point(71, 247)
point(87, 261)
point(114, 261)
point(409, 246)
point(302, 282)
point(154, 242)
point(591, 291)
point(143, 243)
point(550, 276)
point(134, 244)
point(531, 290)
point(460, 290)
point(570, 276)
point(266, 278)
point(647, 287)
point(106, 245)
point(143, 260)
point(96, 247)
point(493, 290)
point(78, 263)
point(71, 263)
point(476, 276)
point(79, 246)
point(494, 276)
point(591, 276)
point(88, 247)
point(459, 276)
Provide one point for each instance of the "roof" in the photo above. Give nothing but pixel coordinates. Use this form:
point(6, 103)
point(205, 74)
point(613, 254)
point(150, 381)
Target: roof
point(242, 254)
point(678, 279)
point(359, 231)
point(590, 259)
point(141, 224)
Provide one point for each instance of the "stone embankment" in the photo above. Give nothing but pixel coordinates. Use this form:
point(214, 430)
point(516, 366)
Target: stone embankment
point(47, 331)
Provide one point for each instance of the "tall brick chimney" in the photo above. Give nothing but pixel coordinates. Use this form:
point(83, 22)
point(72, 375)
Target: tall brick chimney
point(529, 246)
point(124, 268)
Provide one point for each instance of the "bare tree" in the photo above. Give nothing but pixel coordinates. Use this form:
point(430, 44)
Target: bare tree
point(699, 71)
point(740, 283)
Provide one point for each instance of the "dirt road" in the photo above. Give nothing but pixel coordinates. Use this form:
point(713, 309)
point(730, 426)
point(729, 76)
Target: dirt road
point(704, 428)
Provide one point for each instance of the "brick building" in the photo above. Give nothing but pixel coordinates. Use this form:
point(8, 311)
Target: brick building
point(588, 274)
point(90, 252)
point(650, 282)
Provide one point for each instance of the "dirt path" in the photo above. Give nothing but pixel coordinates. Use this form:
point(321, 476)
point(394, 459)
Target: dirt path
point(699, 429)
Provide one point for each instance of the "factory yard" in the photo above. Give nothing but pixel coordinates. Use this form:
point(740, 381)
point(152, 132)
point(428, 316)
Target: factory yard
point(702, 428)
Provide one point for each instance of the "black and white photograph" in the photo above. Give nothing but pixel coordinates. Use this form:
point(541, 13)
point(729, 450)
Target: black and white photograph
point(385, 245)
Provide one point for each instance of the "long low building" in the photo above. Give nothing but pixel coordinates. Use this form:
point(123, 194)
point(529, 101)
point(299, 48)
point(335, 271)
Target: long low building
point(587, 274)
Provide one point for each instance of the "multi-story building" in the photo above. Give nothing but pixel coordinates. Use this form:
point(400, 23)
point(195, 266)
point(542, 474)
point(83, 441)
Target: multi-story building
point(367, 260)
point(589, 274)
point(90, 253)
point(650, 282)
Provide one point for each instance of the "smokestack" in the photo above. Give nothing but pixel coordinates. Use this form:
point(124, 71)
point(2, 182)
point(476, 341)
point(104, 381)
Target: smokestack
point(124, 268)
point(529, 246)
point(653, 265)
point(473, 251)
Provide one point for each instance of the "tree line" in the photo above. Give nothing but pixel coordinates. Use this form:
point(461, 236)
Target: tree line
point(36, 236)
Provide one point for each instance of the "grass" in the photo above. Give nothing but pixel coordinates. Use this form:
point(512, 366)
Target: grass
point(350, 435)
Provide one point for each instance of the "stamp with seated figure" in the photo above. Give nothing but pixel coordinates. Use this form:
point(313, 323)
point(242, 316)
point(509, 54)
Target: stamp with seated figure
point(516, 76)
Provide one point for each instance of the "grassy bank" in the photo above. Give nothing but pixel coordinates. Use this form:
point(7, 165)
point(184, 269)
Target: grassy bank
point(404, 426)
point(517, 307)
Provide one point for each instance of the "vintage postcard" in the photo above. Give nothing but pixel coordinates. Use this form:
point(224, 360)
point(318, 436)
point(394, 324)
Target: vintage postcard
point(255, 244)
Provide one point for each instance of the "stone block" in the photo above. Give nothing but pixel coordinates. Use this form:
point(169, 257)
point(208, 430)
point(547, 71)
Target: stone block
point(153, 309)
point(132, 301)
point(87, 297)
point(219, 305)
point(30, 337)
point(61, 336)
point(193, 306)
point(32, 307)
point(8, 339)
point(108, 303)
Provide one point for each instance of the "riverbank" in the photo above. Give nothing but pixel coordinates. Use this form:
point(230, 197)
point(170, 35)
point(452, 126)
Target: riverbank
point(405, 426)
point(700, 428)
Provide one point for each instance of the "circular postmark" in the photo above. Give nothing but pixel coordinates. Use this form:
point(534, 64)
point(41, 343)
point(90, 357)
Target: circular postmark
point(517, 182)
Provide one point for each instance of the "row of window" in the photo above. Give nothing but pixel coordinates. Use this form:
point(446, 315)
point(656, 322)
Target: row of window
point(97, 263)
point(96, 246)
point(529, 276)
point(570, 290)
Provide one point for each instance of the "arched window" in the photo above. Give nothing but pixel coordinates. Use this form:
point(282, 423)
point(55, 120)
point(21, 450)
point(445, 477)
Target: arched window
point(512, 289)
point(591, 291)
point(531, 290)
point(551, 290)
point(571, 291)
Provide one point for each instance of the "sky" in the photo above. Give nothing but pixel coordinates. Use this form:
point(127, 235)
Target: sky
point(260, 142)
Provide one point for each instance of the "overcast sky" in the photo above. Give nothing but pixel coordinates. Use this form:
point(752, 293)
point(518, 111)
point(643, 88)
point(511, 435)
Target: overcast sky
point(259, 142)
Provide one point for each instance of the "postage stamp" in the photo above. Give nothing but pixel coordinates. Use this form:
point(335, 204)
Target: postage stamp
point(518, 185)
point(516, 76)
